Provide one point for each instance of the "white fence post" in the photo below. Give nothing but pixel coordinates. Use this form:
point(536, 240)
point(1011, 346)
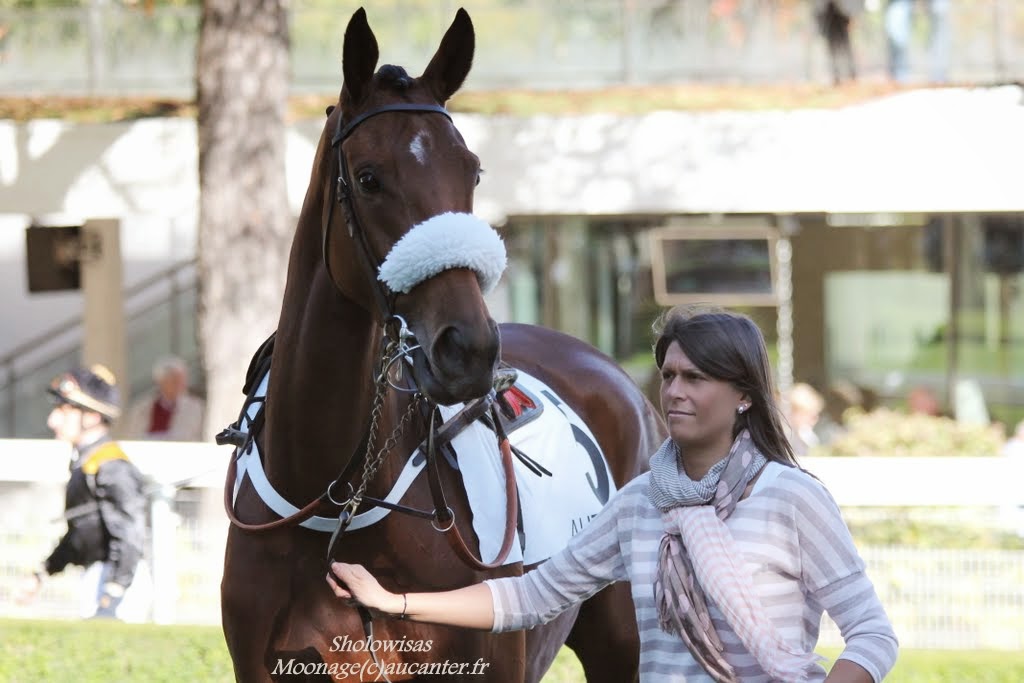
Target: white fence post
point(165, 577)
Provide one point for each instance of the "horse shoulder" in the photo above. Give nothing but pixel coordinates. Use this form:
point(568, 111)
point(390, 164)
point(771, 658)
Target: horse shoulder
point(625, 423)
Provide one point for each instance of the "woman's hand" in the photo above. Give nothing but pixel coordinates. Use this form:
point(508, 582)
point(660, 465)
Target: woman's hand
point(359, 586)
point(470, 607)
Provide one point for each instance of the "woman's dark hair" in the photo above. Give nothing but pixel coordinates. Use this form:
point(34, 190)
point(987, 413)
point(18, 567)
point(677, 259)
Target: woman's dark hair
point(729, 347)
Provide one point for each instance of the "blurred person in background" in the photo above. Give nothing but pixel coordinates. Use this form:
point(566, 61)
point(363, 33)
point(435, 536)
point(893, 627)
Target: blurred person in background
point(805, 406)
point(834, 18)
point(923, 401)
point(167, 412)
point(898, 30)
point(840, 396)
point(105, 504)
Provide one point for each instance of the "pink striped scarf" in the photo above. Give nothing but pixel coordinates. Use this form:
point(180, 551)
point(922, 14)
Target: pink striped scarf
point(698, 562)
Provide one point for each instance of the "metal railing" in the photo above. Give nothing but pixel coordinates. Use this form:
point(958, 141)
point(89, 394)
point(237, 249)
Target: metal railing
point(112, 48)
point(160, 319)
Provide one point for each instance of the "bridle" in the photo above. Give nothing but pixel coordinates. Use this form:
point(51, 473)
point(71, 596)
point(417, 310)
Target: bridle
point(396, 339)
point(342, 193)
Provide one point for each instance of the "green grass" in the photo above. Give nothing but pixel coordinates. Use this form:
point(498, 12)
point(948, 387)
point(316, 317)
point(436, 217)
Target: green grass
point(104, 652)
point(959, 666)
point(913, 666)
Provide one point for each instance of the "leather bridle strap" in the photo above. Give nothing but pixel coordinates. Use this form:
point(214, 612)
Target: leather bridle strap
point(342, 192)
point(444, 520)
point(297, 518)
point(306, 512)
point(343, 131)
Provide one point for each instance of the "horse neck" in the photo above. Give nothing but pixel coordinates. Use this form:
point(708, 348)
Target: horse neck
point(320, 393)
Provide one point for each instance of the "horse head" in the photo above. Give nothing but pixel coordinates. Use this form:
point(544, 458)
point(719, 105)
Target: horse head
point(405, 241)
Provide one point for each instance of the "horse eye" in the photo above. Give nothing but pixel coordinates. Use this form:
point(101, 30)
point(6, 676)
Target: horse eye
point(368, 182)
point(479, 174)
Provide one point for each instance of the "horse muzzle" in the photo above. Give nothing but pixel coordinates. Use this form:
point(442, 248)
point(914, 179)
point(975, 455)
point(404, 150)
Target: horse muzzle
point(457, 369)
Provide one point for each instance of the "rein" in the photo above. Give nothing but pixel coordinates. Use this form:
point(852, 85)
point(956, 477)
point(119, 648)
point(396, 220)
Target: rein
point(446, 519)
point(442, 519)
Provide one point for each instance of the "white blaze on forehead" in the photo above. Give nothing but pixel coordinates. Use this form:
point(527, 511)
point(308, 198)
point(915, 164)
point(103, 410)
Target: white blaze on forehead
point(417, 147)
point(440, 243)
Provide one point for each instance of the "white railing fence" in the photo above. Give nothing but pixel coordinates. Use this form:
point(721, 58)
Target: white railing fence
point(187, 528)
point(937, 598)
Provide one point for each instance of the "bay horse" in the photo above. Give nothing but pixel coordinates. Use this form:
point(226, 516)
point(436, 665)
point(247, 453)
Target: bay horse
point(390, 159)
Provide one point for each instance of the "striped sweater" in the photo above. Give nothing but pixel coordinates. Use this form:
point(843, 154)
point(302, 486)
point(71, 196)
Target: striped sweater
point(795, 544)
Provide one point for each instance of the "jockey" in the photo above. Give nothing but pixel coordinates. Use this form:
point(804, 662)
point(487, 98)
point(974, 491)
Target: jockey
point(105, 506)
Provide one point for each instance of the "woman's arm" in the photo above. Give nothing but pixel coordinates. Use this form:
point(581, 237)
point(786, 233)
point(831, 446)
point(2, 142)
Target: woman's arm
point(845, 671)
point(591, 561)
point(834, 575)
point(469, 607)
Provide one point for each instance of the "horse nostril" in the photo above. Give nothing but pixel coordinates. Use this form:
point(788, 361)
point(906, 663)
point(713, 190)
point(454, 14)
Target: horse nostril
point(461, 354)
point(450, 347)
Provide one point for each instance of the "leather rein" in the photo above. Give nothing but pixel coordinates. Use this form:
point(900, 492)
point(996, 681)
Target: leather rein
point(395, 349)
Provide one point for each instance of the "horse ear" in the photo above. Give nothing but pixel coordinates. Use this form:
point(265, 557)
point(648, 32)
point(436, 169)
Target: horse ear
point(359, 56)
point(451, 63)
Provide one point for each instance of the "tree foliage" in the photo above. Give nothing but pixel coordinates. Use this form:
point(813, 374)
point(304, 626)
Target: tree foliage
point(885, 432)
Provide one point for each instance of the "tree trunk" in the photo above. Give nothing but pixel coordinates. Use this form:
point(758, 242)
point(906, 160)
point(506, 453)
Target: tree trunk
point(245, 223)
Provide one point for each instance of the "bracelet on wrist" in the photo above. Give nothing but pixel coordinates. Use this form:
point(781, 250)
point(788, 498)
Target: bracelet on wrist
point(405, 606)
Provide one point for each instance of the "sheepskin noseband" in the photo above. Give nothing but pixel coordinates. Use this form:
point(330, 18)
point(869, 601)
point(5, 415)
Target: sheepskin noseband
point(440, 243)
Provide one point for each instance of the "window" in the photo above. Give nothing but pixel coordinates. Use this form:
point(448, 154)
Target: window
point(717, 265)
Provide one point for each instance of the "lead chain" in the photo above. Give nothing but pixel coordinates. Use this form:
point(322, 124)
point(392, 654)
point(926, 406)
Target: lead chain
point(372, 464)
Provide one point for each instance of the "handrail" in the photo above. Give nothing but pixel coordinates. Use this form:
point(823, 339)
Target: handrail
point(31, 344)
point(68, 348)
point(8, 362)
point(72, 323)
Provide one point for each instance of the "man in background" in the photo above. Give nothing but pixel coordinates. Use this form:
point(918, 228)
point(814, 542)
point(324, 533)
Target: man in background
point(834, 19)
point(899, 29)
point(105, 501)
point(167, 412)
point(804, 410)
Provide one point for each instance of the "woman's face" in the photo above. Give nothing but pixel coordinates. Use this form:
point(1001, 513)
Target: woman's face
point(700, 410)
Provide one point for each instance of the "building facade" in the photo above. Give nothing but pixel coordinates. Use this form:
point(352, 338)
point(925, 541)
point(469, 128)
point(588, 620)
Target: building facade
point(879, 245)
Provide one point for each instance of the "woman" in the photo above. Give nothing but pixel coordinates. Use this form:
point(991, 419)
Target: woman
point(732, 551)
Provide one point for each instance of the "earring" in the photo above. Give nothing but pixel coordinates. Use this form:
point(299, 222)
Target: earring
point(742, 408)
